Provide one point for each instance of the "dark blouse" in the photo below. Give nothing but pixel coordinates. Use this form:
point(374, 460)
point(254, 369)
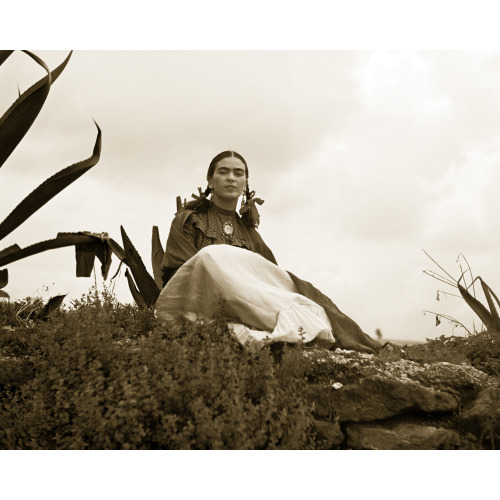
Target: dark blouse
point(216, 226)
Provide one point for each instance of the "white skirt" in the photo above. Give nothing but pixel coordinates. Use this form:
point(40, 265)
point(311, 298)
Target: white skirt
point(260, 296)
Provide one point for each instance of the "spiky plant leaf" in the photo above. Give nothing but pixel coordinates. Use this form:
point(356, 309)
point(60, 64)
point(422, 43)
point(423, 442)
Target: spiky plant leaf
point(48, 189)
point(87, 252)
point(133, 289)
point(51, 306)
point(494, 313)
point(157, 256)
point(145, 283)
point(4, 278)
point(12, 248)
point(18, 119)
point(117, 249)
point(4, 54)
point(478, 308)
point(4, 295)
point(65, 240)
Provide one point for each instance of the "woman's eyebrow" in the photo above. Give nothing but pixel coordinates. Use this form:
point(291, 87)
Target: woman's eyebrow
point(236, 169)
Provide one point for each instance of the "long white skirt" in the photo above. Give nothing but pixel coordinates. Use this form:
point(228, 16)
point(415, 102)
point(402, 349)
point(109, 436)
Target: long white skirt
point(260, 296)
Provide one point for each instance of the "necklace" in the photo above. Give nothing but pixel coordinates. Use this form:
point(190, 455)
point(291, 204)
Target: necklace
point(227, 226)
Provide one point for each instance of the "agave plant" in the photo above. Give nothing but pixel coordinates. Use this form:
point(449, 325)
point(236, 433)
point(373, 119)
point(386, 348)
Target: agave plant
point(144, 287)
point(488, 315)
point(14, 124)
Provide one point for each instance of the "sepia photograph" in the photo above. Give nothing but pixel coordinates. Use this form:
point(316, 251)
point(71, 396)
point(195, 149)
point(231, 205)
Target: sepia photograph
point(282, 247)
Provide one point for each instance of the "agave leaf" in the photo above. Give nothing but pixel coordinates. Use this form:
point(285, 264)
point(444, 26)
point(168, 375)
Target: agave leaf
point(66, 240)
point(12, 248)
point(18, 119)
point(478, 308)
point(157, 256)
point(491, 304)
point(4, 278)
point(133, 289)
point(117, 249)
point(146, 284)
point(52, 305)
point(4, 295)
point(492, 293)
point(48, 189)
point(86, 254)
point(4, 54)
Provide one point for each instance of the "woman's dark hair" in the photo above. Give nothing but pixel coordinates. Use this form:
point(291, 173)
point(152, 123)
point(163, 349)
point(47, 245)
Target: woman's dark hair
point(221, 156)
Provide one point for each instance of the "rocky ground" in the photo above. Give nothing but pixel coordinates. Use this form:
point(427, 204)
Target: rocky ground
point(444, 394)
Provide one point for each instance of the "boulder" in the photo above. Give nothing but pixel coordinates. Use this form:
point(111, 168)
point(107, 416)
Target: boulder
point(378, 398)
point(328, 434)
point(400, 436)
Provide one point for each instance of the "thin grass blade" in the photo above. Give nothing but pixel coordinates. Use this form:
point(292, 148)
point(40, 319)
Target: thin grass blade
point(157, 256)
point(494, 313)
point(442, 269)
point(478, 308)
point(48, 189)
point(135, 292)
point(4, 54)
point(145, 283)
point(17, 120)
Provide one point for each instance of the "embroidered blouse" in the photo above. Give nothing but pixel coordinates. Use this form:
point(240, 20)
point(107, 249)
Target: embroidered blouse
point(216, 226)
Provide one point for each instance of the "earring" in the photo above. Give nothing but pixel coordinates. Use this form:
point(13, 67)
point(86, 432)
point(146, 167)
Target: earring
point(243, 199)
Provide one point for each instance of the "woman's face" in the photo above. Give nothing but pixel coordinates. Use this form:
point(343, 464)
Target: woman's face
point(229, 180)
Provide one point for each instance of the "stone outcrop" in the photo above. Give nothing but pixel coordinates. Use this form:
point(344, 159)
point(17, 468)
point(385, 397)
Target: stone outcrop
point(401, 436)
point(379, 398)
point(401, 404)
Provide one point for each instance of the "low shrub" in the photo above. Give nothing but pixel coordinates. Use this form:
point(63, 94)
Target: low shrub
point(110, 376)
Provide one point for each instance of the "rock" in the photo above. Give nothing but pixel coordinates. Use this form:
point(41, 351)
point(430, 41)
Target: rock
point(442, 375)
point(346, 367)
point(482, 417)
point(379, 398)
point(400, 436)
point(328, 434)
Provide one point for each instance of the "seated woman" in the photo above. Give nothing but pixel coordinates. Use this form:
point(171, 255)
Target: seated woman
point(213, 255)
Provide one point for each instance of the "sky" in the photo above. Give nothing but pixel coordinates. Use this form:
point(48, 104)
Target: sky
point(363, 158)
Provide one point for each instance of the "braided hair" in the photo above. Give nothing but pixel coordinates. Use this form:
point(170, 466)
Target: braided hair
point(228, 154)
point(249, 215)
